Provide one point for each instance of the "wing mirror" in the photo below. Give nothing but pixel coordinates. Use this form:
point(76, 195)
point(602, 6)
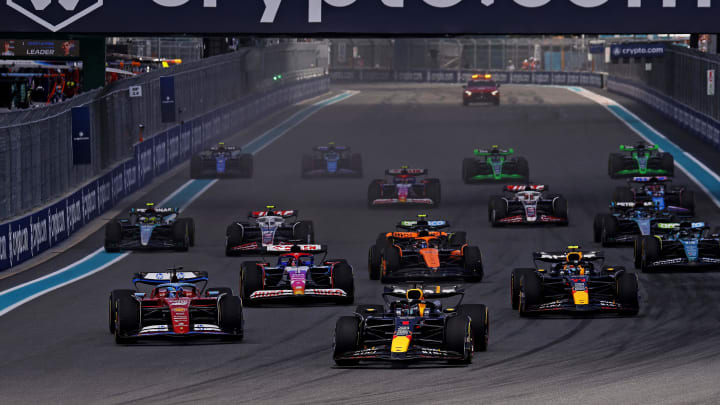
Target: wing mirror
point(370, 310)
point(213, 293)
point(449, 310)
point(139, 295)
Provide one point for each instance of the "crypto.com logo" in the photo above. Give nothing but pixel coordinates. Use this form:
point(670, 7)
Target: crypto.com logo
point(34, 7)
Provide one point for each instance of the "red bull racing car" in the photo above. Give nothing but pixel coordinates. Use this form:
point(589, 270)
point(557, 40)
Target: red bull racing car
point(267, 228)
point(297, 276)
point(528, 204)
point(413, 325)
point(404, 186)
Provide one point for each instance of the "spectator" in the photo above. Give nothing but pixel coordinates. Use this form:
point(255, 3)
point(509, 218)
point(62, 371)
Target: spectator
point(510, 65)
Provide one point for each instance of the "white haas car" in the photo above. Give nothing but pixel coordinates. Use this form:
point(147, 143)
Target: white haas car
point(297, 276)
point(527, 204)
point(267, 228)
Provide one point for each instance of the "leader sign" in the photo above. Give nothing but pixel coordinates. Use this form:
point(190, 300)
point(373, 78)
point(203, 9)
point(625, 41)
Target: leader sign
point(272, 17)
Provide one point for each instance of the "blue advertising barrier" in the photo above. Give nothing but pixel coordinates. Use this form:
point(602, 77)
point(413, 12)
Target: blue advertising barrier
point(29, 236)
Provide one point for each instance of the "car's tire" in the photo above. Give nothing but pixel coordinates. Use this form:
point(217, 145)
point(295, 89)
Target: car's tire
point(434, 191)
point(220, 290)
point(230, 316)
point(113, 236)
point(498, 211)
point(609, 229)
point(469, 169)
point(191, 230)
point(456, 331)
point(112, 308)
point(233, 237)
point(523, 168)
point(479, 324)
point(530, 293)
point(637, 252)
point(304, 231)
point(650, 251)
point(472, 262)
point(458, 239)
point(247, 166)
point(391, 257)
point(376, 309)
point(306, 166)
point(346, 339)
point(374, 262)
point(627, 292)
point(687, 200)
point(623, 194)
point(127, 319)
point(196, 167)
point(356, 165)
point(615, 164)
point(342, 278)
point(466, 103)
point(668, 164)
point(374, 193)
point(560, 209)
point(515, 278)
point(251, 280)
point(181, 235)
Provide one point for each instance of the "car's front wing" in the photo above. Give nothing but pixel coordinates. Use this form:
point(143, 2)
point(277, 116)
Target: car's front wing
point(414, 353)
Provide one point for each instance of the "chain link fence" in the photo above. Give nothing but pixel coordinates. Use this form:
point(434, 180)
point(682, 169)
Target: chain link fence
point(35, 145)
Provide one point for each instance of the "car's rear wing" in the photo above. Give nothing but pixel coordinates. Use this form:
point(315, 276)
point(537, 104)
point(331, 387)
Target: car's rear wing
point(561, 257)
point(406, 172)
point(325, 148)
point(225, 148)
point(423, 225)
point(436, 292)
point(631, 205)
point(671, 226)
point(170, 276)
point(526, 187)
point(494, 151)
point(273, 213)
point(656, 179)
point(630, 148)
point(296, 248)
point(163, 211)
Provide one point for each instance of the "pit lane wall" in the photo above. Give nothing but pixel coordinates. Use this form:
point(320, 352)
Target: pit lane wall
point(30, 236)
point(455, 76)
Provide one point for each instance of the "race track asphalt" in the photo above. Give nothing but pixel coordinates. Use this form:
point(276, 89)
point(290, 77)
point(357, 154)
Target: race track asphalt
point(57, 348)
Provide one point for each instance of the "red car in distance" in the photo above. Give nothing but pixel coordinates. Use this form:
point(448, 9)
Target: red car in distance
point(481, 89)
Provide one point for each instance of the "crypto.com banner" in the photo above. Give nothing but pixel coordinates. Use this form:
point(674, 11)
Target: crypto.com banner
point(359, 16)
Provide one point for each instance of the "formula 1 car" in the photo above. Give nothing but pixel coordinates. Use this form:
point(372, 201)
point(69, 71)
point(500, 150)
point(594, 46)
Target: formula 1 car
point(627, 221)
point(686, 245)
point(412, 325)
point(404, 186)
point(494, 165)
point(481, 89)
point(658, 190)
point(527, 204)
point(150, 228)
point(640, 160)
point(177, 306)
point(270, 227)
point(332, 161)
point(297, 276)
point(421, 252)
point(573, 281)
point(221, 161)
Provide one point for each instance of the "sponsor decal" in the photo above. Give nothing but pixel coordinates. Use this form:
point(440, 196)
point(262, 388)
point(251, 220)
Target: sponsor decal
point(19, 243)
point(56, 224)
point(118, 185)
point(173, 148)
point(160, 154)
point(38, 234)
point(3, 249)
point(130, 177)
point(89, 205)
point(104, 194)
point(74, 214)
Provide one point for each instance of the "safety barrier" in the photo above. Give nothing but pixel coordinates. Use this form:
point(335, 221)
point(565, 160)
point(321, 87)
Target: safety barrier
point(29, 236)
point(455, 76)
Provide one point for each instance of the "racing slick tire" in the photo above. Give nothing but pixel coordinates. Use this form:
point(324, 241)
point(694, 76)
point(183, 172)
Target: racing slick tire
point(469, 168)
point(112, 307)
point(251, 280)
point(196, 167)
point(616, 162)
point(608, 229)
point(391, 260)
point(457, 329)
point(233, 237)
point(472, 262)
point(523, 168)
point(667, 163)
point(466, 103)
point(230, 316)
point(627, 292)
point(374, 309)
point(374, 262)
point(247, 166)
point(191, 230)
point(623, 194)
point(342, 278)
point(381, 241)
point(458, 239)
point(374, 193)
point(181, 235)
point(220, 290)
point(515, 277)
point(597, 227)
point(113, 235)
point(687, 201)
point(530, 293)
point(346, 339)
point(498, 211)
point(637, 253)
point(479, 324)
point(650, 251)
point(434, 192)
point(356, 165)
point(560, 210)
point(304, 231)
point(306, 166)
point(127, 318)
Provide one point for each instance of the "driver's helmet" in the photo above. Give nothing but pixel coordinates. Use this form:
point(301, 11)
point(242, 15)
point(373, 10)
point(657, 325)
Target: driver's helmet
point(287, 261)
point(221, 147)
point(414, 294)
point(685, 233)
point(434, 244)
point(656, 190)
point(574, 264)
point(495, 149)
point(171, 292)
point(150, 208)
point(420, 244)
point(306, 260)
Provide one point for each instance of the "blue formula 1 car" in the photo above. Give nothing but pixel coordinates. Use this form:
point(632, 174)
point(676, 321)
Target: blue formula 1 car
point(658, 190)
point(221, 161)
point(686, 245)
point(332, 161)
point(150, 228)
point(627, 221)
